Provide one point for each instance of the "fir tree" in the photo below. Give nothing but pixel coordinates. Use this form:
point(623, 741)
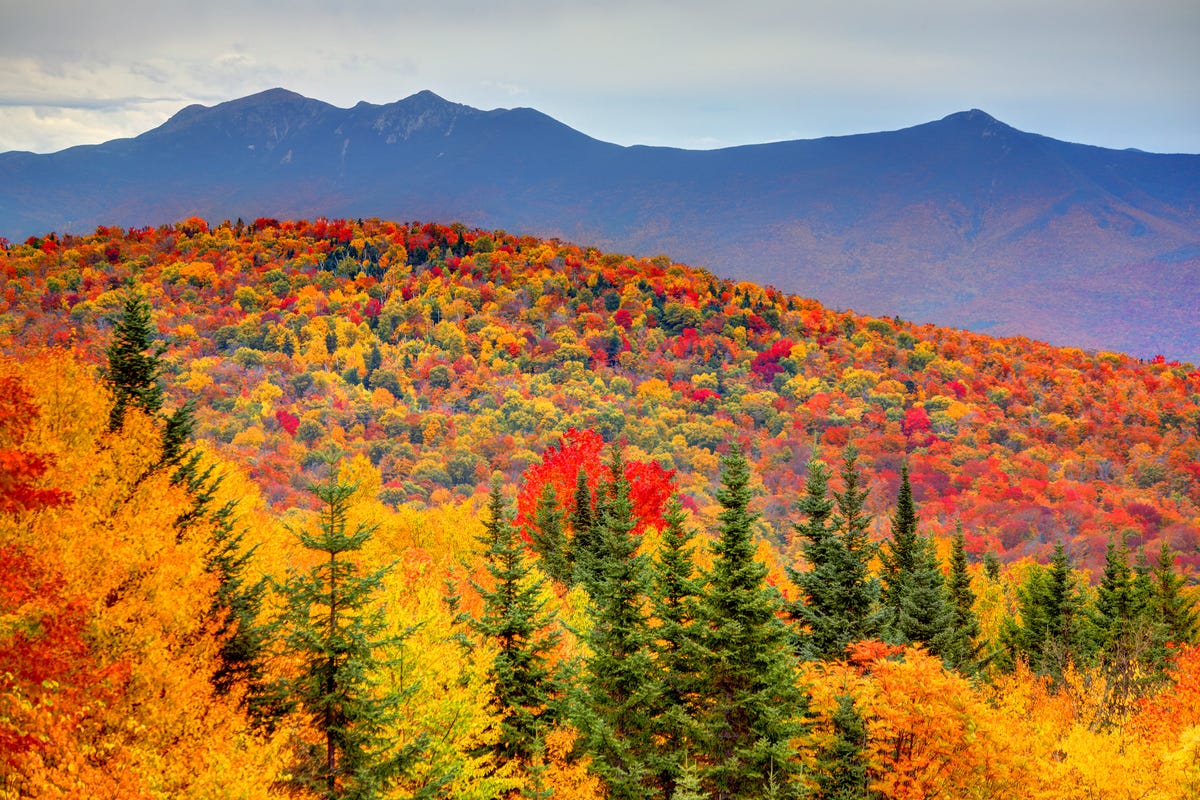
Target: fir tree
point(547, 536)
point(1048, 635)
point(900, 555)
point(678, 654)
point(585, 536)
point(1115, 617)
point(336, 634)
point(837, 592)
point(961, 651)
point(1172, 614)
point(620, 687)
point(914, 590)
point(134, 367)
point(753, 705)
point(842, 766)
point(514, 623)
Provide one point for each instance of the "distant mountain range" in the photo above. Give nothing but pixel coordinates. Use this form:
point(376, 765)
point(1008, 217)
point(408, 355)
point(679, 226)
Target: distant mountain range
point(964, 221)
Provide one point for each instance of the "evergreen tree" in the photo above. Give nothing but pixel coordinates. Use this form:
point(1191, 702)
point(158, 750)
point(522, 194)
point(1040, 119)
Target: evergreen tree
point(1115, 617)
point(336, 634)
point(961, 651)
point(620, 687)
point(547, 536)
point(1048, 635)
point(753, 704)
point(900, 555)
point(1172, 614)
point(837, 592)
point(914, 593)
point(678, 653)
point(842, 766)
point(585, 534)
point(134, 367)
point(514, 623)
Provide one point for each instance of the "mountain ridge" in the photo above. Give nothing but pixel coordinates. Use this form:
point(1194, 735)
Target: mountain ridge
point(963, 221)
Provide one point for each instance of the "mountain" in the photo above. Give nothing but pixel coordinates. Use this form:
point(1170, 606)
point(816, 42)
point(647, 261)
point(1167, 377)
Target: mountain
point(964, 221)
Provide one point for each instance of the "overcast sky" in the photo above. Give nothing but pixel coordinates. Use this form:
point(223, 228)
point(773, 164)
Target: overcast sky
point(706, 73)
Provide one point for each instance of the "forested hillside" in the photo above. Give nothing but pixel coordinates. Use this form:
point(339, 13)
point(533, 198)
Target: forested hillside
point(376, 509)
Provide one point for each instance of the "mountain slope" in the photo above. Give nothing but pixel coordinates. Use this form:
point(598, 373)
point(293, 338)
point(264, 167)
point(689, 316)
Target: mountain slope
point(442, 354)
point(964, 221)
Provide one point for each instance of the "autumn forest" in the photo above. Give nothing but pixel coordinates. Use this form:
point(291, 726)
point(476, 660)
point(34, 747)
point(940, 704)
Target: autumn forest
point(374, 509)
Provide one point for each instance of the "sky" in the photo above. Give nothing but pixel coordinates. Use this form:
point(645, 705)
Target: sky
point(699, 74)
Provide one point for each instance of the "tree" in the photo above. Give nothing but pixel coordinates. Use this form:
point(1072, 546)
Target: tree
point(514, 623)
point(841, 765)
point(678, 652)
point(837, 592)
point(585, 535)
point(1047, 632)
point(914, 590)
point(619, 684)
point(133, 362)
point(753, 704)
point(1172, 615)
point(547, 536)
point(334, 632)
point(960, 651)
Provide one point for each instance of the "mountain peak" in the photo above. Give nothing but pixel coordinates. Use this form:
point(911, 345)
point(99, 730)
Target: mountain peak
point(975, 119)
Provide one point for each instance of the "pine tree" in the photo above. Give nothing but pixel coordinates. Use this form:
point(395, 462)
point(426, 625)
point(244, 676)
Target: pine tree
point(1114, 617)
point(547, 536)
point(336, 634)
point(752, 704)
point(961, 651)
point(678, 654)
point(1048, 635)
point(841, 766)
point(134, 367)
point(620, 686)
point(514, 623)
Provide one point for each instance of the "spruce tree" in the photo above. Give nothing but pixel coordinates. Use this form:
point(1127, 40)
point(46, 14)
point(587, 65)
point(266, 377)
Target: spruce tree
point(841, 765)
point(620, 687)
point(1115, 617)
point(547, 536)
point(753, 705)
point(914, 591)
point(961, 652)
point(585, 534)
point(134, 367)
point(335, 632)
point(837, 593)
point(678, 653)
point(1173, 615)
point(513, 622)
point(1048, 635)
point(900, 554)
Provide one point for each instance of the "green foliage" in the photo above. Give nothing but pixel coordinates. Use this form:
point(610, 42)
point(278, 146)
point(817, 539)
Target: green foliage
point(961, 650)
point(752, 707)
point(841, 768)
point(134, 365)
point(514, 623)
point(838, 594)
point(335, 632)
point(548, 538)
point(620, 690)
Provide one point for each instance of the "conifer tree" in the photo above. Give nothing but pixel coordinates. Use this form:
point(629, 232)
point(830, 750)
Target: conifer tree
point(1048, 634)
point(547, 536)
point(335, 632)
point(899, 556)
point(841, 766)
point(753, 703)
point(585, 535)
point(134, 367)
point(620, 687)
point(914, 590)
point(837, 593)
point(1173, 615)
point(678, 654)
point(1115, 616)
point(514, 623)
point(961, 651)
